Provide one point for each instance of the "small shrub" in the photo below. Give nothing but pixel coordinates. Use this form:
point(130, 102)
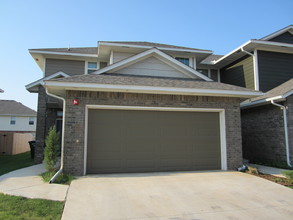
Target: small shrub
point(61, 179)
point(288, 174)
point(51, 149)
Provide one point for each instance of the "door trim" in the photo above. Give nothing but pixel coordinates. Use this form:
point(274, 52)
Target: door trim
point(221, 112)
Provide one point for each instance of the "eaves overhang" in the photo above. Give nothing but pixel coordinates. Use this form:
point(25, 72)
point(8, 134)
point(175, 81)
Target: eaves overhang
point(105, 48)
point(250, 46)
point(60, 88)
point(265, 101)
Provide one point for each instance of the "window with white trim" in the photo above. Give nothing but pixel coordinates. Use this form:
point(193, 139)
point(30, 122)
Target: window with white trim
point(183, 60)
point(91, 67)
point(31, 121)
point(12, 120)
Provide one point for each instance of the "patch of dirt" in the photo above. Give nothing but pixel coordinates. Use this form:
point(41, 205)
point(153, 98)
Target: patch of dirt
point(282, 181)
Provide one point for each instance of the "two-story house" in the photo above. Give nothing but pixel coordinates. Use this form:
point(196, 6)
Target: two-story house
point(138, 107)
point(17, 127)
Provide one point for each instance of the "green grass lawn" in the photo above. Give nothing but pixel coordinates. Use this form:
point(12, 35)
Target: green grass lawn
point(13, 162)
point(15, 207)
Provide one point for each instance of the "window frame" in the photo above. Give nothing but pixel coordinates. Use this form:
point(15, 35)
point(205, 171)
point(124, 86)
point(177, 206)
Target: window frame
point(31, 121)
point(184, 58)
point(90, 70)
point(12, 120)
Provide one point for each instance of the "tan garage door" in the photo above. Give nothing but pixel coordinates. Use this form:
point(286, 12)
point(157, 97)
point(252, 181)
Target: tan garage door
point(148, 141)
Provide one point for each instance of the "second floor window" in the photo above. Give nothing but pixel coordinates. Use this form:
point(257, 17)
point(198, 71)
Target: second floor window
point(31, 121)
point(91, 67)
point(12, 120)
point(183, 60)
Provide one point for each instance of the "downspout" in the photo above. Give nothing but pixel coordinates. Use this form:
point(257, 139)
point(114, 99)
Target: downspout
point(62, 137)
point(286, 131)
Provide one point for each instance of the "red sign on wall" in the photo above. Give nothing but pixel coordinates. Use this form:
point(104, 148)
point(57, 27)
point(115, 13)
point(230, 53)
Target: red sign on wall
point(75, 102)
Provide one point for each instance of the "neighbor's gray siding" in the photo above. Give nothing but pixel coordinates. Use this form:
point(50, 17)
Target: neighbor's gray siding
point(75, 120)
point(274, 69)
point(284, 38)
point(239, 73)
point(263, 133)
point(70, 67)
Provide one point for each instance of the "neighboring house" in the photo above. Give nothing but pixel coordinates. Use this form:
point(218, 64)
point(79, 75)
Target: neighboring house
point(138, 107)
point(16, 117)
point(265, 137)
point(263, 65)
point(17, 127)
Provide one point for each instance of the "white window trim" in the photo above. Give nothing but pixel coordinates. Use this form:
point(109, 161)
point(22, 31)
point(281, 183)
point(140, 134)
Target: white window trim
point(86, 66)
point(222, 119)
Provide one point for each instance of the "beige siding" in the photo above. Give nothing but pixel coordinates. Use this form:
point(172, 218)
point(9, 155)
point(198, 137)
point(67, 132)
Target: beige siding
point(21, 123)
point(118, 56)
point(151, 67)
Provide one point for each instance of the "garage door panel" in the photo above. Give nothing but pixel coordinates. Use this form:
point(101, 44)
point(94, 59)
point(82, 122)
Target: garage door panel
point(148, 141)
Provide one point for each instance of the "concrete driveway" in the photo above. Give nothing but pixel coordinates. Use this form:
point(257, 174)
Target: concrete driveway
point(178, 195)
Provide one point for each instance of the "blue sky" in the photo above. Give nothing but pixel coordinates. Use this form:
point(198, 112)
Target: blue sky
point(217, 25)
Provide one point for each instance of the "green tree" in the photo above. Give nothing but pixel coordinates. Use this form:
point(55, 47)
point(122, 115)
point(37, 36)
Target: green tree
point(51, 148)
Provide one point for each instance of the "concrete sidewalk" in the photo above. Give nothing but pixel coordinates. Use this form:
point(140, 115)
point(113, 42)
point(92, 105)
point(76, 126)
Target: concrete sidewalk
point(27, 182)
point(268, 170)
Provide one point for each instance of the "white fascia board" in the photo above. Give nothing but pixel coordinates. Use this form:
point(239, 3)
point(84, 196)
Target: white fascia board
point(233, 51)
point(261, 101)
point(262, 42)
point(40, 81)
point(160, 48)
point(153, 51)
point(287, 94)
point(254, 44)
point(60, 53)
point(149, 89)
point(275, 34)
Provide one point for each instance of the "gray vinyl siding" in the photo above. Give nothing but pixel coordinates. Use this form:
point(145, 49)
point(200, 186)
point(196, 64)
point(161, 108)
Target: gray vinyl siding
point(239, 73)
point(70, 67)
point(274, 69)
point(284, 38)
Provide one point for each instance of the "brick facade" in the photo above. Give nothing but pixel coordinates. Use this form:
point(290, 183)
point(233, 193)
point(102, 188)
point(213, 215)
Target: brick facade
point(46, 117)
point(75, 120)
point(263, 132)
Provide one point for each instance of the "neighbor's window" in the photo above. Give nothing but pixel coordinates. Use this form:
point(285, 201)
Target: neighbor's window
point(12, 120)
point(91, 67)
point(183, 60)
point(31, 121)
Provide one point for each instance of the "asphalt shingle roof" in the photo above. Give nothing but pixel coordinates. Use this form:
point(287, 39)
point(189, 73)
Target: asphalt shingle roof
point(211, 58)
point(11, 107)
point(277, 91)
point(131, 80)
point(77, 50)
point(151, 44)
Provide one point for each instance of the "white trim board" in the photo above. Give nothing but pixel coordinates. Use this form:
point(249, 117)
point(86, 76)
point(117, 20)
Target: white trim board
point(40, 81)
point(277, 33)
point(222, 119)
point(61, 53)
point(150, 89)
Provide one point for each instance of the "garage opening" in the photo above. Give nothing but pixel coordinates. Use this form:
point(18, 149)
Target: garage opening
point(124, 141)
